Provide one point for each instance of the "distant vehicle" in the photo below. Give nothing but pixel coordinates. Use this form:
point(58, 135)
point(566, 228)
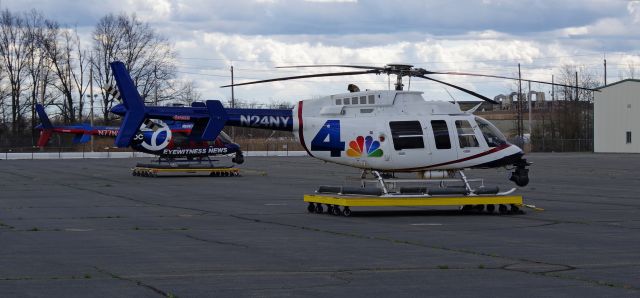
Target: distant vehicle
point(169, 140)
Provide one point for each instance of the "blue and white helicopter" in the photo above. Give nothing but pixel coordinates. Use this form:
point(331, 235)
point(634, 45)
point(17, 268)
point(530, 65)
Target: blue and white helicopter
point(379, 131)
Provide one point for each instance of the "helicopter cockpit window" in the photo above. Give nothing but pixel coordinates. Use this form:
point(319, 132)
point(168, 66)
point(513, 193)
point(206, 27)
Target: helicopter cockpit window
point(466, 136)
point(346, 101)
point(372, 99)
point(406, 134)
point(441, 134)
point(354, 100)
point(338, 101)
point(491, 134)
point(363, 100)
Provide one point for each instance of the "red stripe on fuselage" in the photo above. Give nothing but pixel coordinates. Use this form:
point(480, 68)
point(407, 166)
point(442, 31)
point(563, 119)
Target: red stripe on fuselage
point(492, 150)
point(300, 130)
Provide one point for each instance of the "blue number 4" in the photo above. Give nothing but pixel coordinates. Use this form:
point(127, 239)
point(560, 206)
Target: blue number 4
point(328, 139)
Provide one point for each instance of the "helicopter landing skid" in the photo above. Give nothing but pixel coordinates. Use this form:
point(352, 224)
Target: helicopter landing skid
point(428, 192)
point(389, 185)
point(175, 166)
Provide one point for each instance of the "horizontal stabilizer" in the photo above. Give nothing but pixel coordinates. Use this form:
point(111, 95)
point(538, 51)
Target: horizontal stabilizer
point(217, 118)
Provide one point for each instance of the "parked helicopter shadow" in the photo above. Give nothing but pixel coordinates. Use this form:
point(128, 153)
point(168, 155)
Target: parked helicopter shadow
point(424, 212)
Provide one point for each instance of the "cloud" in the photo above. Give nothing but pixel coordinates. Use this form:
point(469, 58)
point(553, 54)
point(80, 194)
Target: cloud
point(490, 36)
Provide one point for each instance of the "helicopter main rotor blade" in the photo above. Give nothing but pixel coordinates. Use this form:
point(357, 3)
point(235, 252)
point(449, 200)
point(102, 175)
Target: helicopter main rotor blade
point(462, 89)
point(329, 74)
point(507, 78)
point(334, 65)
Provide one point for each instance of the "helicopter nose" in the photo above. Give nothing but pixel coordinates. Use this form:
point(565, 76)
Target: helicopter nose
point(119, 109)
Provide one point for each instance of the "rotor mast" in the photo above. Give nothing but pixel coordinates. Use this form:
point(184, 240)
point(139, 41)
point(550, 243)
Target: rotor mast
point(399, 70)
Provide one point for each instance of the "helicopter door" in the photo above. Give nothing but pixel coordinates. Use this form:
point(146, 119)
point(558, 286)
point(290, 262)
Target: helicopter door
point(441, 151)
point(467, 139)
point(408, 143)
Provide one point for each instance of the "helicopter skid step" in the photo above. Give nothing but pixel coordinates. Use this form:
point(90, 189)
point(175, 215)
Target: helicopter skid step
point(151, 171)
point(338, 204)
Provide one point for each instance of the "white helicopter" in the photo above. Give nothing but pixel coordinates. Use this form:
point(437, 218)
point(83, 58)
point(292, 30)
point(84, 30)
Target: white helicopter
point(378, 131)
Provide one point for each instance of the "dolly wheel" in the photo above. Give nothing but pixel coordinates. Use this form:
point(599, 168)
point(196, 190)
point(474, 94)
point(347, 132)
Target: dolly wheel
point(491, 208)
point(318, 208)
point(311, 208)
point(329, 209)
point(502, 209)
point(336, 210)
point(346, 211)
point(515, 209)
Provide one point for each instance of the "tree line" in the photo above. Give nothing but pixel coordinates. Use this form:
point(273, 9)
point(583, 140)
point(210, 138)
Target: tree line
point(43, 61)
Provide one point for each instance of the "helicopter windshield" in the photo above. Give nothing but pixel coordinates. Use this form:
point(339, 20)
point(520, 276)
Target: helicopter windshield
point(491, 134)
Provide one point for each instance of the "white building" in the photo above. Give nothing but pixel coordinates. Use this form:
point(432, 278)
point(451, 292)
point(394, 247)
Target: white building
point(616, 120)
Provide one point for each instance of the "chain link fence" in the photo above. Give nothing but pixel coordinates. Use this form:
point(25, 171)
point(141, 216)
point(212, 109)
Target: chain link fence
point(561, 145)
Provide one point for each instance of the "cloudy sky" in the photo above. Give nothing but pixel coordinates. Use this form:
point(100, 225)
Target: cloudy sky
point(488, 36)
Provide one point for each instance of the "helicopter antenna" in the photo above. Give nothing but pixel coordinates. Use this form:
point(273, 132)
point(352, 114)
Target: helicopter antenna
point(454, 100)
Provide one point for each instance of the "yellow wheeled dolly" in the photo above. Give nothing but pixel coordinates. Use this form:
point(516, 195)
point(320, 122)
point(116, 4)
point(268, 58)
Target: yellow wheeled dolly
point(469, 203)
point(214, 172)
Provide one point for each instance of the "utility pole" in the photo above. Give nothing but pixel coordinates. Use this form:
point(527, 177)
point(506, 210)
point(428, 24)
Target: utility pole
point(605, 71)
point(155, 82)
point(529, 107)
point(576, 85)
point(519, 107)
point(553, 89)
point(91, 100)
point(233, 104)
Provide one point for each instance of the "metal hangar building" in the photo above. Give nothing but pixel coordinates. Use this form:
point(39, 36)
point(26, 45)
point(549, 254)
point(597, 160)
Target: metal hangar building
point(616, 120)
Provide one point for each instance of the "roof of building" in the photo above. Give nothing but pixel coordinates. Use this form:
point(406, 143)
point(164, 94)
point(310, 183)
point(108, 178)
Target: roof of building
point(618, 82)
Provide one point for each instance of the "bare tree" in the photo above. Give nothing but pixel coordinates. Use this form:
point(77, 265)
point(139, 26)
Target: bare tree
point(147, 56)
point(571, 117)
point(629, 72)
point(13, 55)
point(37, 64)
point(187, 93)
point(69, 63)
point(107, 42)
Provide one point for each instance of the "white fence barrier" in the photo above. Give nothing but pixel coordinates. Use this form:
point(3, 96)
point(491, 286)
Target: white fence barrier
point(80, 155)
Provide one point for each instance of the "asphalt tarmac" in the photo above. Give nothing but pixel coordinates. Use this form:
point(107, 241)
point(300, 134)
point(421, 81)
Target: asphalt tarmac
point(87, 228)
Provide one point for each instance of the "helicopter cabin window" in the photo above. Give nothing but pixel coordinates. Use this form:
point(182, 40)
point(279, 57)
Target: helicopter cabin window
point(354, 100)
point(346, 101)
point(363, 100)
point(372, 99)
point(466, 136)
point(338, 101)
point(441, 134)
point(406, 134)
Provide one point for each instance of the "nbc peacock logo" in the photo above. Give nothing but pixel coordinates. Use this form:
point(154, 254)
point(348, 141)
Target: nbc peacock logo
point(362, 145)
